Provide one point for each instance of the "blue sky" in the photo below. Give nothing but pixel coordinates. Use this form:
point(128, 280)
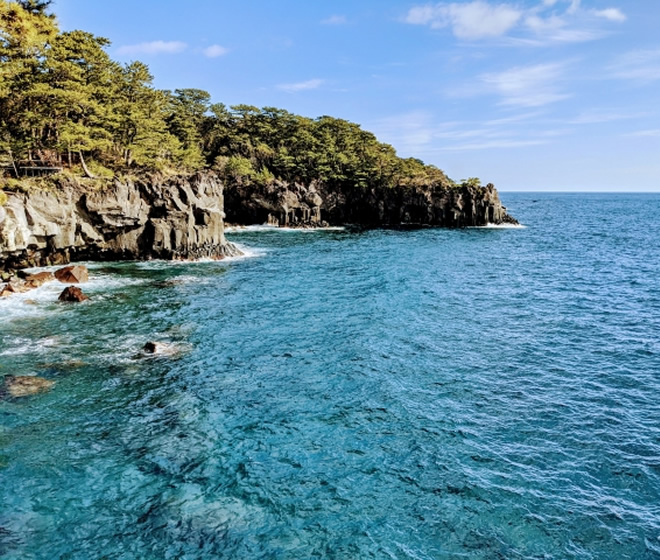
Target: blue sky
point(529, 94)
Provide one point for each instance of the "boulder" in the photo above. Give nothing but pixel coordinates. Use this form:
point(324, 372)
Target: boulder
point(14, 286)
point(161, 348)
point(76, 274)
point(39, 279)
point(72, 294)
point(25, 385)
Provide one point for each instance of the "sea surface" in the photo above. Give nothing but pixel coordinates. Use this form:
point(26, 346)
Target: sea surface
point(435, 394)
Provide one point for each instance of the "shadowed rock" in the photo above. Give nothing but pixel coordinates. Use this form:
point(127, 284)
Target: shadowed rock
point(25, 385)
point(72, 294)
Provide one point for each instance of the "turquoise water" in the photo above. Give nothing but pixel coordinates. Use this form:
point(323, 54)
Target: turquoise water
point(436, 394)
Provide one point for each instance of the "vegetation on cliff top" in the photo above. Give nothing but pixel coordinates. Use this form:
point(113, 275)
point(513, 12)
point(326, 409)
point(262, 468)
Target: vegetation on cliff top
point(64, 103)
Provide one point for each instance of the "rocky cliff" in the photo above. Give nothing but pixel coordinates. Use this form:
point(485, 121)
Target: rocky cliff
point(313, 205)
point(180, 218)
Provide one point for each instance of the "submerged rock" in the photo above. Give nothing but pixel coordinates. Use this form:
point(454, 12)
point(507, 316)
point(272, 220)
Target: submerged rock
point(25, 385)
point(72, 294)
point(77, 274)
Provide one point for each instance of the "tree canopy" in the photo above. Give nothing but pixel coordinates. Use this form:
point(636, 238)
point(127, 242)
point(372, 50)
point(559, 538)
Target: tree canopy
point(64, 102)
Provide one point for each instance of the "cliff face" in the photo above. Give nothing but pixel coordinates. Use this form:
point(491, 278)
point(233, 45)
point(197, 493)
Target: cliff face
point(182, 218)
point(312, 205)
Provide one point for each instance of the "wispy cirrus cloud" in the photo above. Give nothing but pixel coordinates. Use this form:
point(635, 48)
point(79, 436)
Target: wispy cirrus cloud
point(420, 134)
point(641, 66)
point(214, 51)
point(335, 20)
point(652, 133)
point(543, 24)
point(153, 47)
point(527, 86)
point(301, 86)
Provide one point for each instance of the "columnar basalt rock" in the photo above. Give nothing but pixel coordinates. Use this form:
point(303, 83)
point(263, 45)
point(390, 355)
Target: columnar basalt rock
point(316, 205)
point(176, 218)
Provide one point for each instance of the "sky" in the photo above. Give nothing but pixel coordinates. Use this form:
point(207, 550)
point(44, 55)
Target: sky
point(557, 95)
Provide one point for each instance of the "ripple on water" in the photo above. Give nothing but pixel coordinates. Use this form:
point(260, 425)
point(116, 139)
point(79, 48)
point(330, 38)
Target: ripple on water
point(484, 393)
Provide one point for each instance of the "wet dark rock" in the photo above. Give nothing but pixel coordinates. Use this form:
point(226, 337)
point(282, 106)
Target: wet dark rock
point(161, 348)
point(72, 294)
point(319, 205)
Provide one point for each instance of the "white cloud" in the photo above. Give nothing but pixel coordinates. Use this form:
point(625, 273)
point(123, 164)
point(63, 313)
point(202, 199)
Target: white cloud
point(301, 86)
point(612, 14)
point(215, 51)
point(535, 26)
point(473, 20)
point(335, 20)
point(527, 86)
point(639, 66)
point(153, 47)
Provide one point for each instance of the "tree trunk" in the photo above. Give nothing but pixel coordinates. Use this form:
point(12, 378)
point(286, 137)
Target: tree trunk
point(13, 162)
point(82, 163)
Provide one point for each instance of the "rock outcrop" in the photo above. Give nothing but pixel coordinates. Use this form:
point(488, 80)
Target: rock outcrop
point(317, 205)
point(72, 294)
point(177, 218)
point(72, 274)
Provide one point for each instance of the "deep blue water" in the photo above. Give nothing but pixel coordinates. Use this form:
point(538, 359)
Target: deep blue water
point(436, 394)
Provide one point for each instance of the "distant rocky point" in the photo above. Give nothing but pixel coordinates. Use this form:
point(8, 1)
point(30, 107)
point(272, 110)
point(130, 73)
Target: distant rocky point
point(314, 205)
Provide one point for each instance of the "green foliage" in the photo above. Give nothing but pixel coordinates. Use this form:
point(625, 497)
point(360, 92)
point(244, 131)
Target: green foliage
point(3, 198)
point(471, 182)
point(65, 103)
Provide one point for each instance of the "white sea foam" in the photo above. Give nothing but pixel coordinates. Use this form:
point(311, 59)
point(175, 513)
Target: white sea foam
point(499, 226)
point(264, 227)
point(17, 346)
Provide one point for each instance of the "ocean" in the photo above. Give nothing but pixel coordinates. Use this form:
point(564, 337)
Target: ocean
point(486, 393)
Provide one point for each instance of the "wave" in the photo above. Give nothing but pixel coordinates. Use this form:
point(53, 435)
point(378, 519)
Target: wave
point(499, 226)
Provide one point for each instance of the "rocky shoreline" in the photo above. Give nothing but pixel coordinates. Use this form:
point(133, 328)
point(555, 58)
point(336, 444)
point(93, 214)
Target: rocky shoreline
point(181, 218)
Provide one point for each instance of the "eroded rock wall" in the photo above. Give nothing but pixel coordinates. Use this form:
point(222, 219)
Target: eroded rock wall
point(299, 205)
point(178, 218)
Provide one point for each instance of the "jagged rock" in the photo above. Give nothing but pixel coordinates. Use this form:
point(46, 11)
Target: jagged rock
point(25, 385)
point(72, 294)
point(14, 286)
point(318, 205)
point(39, 279)
point(72, 274)
point(175, 218)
